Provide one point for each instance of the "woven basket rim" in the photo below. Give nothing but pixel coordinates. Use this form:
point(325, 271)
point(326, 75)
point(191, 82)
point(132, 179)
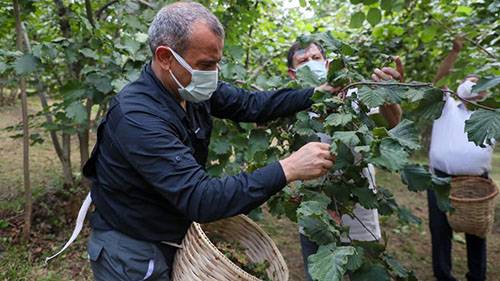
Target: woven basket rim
point(475, 200)
point(226, 260)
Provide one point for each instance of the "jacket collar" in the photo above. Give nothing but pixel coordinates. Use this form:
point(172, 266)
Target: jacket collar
point(161, 93)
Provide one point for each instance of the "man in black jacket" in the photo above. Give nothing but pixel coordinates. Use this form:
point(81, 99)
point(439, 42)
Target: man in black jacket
point(148, 167)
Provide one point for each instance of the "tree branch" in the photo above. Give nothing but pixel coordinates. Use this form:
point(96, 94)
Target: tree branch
point(63, 19)
point(145, 3)
point(468, 101)
point(90, 15)
point(416, 84)
point(465, 37)
point(99, 12)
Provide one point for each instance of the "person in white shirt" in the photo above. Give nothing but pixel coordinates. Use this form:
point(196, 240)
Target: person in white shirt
point(452, 154)
point(314, 57)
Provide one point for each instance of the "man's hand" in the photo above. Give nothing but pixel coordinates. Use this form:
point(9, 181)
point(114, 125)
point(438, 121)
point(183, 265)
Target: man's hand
point(309, 162)
point(389, 73)
point(327, 88)
point(391, 112)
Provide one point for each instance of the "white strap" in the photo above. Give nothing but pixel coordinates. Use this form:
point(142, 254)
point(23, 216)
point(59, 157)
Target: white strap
point(78, 227)
point(151, 268)
point(172, 244)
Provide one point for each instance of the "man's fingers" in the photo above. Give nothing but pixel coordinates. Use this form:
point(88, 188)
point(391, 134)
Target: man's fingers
point(381, 74)
point(327, 164)
point(323, 146)
point(400, 68)
point(375, 78)
point(327, 88)
point(392, 72)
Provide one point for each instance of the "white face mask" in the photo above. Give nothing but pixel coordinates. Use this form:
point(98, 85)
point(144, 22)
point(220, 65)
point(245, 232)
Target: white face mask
point(465, 90)
point(318, 67)
point(203, 83)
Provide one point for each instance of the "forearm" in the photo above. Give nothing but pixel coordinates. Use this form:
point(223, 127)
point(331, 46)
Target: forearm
point(244, 106)
point(446, 66)
point(216, 198)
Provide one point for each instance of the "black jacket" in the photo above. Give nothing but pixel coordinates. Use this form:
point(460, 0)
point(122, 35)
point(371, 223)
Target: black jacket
point(147, 168)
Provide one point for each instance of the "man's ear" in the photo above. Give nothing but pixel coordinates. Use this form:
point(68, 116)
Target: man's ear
point(164, 57)
point(292, 74)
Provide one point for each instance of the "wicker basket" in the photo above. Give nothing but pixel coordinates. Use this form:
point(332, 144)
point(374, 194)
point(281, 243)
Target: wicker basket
point(474, 204)
point(200, 260)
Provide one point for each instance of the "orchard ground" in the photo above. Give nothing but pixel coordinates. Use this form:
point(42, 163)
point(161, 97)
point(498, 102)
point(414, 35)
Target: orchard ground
point(53, 222)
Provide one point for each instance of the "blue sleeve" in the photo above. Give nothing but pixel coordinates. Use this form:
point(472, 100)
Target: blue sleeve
point(157, 154)
point(240, 105)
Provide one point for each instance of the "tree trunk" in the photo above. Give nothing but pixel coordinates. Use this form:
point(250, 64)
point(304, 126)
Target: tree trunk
point(66, 165)
point(66, 159)
point(1, 96)
point(83, 139)
point(13, 97)
point(26, 145)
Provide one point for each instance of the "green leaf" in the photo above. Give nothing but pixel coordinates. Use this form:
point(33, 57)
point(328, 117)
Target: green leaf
point(386, 5)
point(442, 188)
point(486, 83)
point(380, 132)
point(391, 156)
point(259, 143)
point(371, 249)
point(374, 16)
point(371, 272)
point(386, 202)
point(406, 134)
point(220, 146)
point(428, 34)
point(349, 138)
point(72, 90)
point(307, 78)
point(357, 20)
point(3, 67)
point(356, 1)
point(338, 119)
point(369, 2)
point(25, 64)
point(395, 266)
point(366, 197)
point(416, 177)
point(371, 97)
point(77, 112)
point(356, 261)
point(100, 82)
point(316, 223)
point(330, 262)
point(406, 216)
point(141, 37)
point(89, 53)
point(430, 106)
point(305, 125)
point(483, 127)
point(345, 158)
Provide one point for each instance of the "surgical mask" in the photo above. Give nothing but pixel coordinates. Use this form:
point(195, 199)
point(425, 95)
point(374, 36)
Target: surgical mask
point(203, 83)
point(318, 67)
point(465, 90)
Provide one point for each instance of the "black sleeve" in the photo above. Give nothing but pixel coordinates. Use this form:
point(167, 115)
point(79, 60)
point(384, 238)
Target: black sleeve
point(155, 151)
point(240, 105)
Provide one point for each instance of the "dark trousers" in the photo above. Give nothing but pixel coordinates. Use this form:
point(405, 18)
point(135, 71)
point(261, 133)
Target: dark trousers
point(441, 235)
point(308, 248)
point(115, 256)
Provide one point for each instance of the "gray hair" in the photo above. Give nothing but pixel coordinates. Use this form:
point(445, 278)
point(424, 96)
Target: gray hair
point(173, 25)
